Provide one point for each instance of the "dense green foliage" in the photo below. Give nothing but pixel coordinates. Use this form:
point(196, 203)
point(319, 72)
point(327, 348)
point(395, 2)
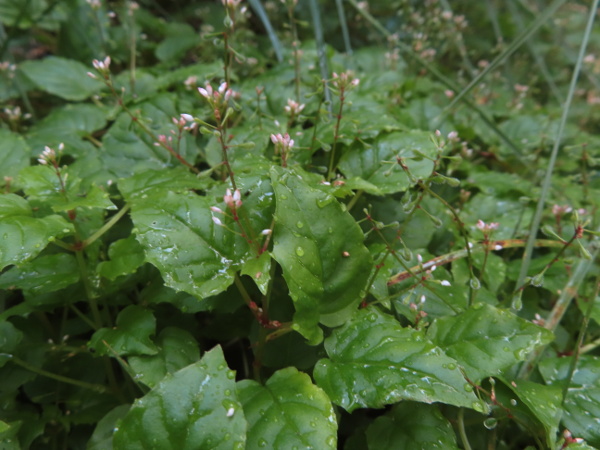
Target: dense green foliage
point(316, 225)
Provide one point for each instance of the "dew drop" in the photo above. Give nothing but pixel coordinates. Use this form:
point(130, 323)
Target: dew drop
point(283, 197)
point(299, 251)
point(231, 374)
point(490, 423)
point(331, 441)
point(468, 387)
point(299, 224)
point(262, 443)
point(451, 366)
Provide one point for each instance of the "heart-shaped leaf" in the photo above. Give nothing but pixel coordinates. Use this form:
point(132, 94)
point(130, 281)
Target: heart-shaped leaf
point(374, 361)
point(287, 412)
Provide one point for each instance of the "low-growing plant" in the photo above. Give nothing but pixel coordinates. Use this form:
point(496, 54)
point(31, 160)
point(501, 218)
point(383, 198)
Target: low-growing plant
point(202, 247)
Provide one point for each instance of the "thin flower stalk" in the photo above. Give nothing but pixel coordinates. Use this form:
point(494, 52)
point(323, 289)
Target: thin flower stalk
point(343, 83)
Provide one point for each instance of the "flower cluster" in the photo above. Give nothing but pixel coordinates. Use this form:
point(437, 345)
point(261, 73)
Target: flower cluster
point(293, 108)
point(103, 67)
point(344, 81)
point(283, 146)
point(487, 227)
point(49, 155)
point(218, 99)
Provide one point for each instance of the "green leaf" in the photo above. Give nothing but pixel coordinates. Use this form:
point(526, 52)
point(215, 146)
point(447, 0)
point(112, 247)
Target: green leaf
point(582, 404)
point(10, 336)
point(128, 150)
point(14, 154)
point(374, 362)
point(180, 37)
point(12, 205)
point(378, 164)
point(544, 403)
point(287, 412)
point(23, 237)
point(44, 274)
point(412, 426)
point(126, 255)
point(42, 183)
point(320, 249)
point(177, 179)
point(259, 269)
point(179, 237)
point(131, 335)
point(69, 125)
point(62, 77)
point(195, 408)
point(177, 349)
point(102, 438)
point(486, 340)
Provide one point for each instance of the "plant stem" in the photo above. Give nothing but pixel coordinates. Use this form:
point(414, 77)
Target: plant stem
point(83, 384)
point(107, 226)
point(461, 429)
point(462, 253)
point(336, 133)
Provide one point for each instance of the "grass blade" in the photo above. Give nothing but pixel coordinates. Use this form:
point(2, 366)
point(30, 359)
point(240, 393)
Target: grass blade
point(262, 15)
point(318, 28)
point(548, 177)
point(408, 51)
point(524, 36)
point(344, 25)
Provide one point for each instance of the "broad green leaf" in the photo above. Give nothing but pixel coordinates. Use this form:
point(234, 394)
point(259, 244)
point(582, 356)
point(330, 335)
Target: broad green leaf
point(180, 37)
point(179, 237)
point(412, 426)
point(23, 14)
point(62, 77)
point(13, 205)
point(102, 438)
point(544, 403)
point(68, 125)
point(487, 340)
point(177, 179)
point(259, 269)
point(287, 412)
point(44, 274)
point(10, 336)
point(176, 349)
point(128, 150)
point(320, 249)
point(194, 408)
point(42, 183)
point(582, 404)
point(511, 215)
point(130, 336)
point(176, 228)
point(14, 154)
point(126, 255)
point(374, 361)
point(23, 237)
point(378, 163)
point(497, 183)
